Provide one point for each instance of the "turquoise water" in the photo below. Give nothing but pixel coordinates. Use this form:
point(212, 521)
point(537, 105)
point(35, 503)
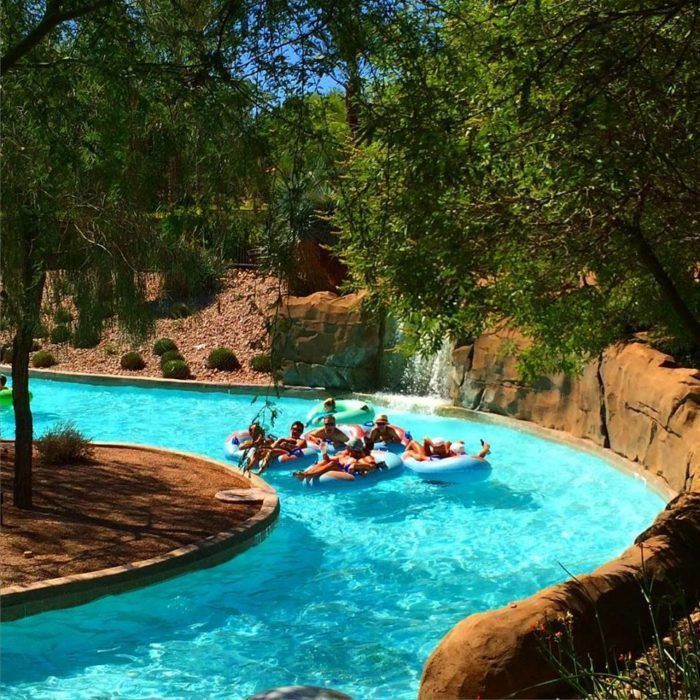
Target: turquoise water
point(352, 589)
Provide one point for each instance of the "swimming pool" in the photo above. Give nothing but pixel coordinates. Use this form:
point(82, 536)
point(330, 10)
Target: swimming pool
point(353, 589)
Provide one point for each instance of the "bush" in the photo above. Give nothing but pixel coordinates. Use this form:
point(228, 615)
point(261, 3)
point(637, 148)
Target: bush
point(180, 310)
point(6, 354)
point(41, 331)
point(223, 358)
point(62, 316)
point(132, 361)
point(110, 349)
point(85, 338)
point(176, 369)
point(169, 356)
point(163, 345)
point(60, 334)
point(36, 345)
point(261, 363)
point(43, 358)
point(64, 444)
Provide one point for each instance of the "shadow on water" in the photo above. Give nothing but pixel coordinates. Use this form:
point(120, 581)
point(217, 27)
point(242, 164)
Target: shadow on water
point(116, 630)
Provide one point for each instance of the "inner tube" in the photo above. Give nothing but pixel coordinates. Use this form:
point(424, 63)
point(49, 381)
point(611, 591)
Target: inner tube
point(458, 466)
point(346, 411)
point(6, 396)
point(299, 458)
point(392, 466)
point(351, 430)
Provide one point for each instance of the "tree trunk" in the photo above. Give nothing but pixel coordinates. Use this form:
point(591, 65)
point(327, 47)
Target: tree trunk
point(668, 287)
point(21, 347)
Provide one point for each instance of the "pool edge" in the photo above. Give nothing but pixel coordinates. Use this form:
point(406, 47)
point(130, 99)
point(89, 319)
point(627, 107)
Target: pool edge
point(17, 602)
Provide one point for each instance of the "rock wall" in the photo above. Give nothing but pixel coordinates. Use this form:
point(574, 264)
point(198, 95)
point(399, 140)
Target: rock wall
point(637, 402)
point(633, 399)
point(328, 340)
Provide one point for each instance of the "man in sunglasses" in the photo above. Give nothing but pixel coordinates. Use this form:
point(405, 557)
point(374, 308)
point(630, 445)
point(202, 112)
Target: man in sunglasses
point(382, 432)
point(329, 432)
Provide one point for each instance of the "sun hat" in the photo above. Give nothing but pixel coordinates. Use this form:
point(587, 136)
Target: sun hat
point(458, 447)
point(438, 441)
point(381, 418)
point(329, 420)
point(355, 444)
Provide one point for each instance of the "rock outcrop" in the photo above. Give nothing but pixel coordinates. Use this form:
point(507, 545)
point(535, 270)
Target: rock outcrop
point(632, 399)
point(327, 340)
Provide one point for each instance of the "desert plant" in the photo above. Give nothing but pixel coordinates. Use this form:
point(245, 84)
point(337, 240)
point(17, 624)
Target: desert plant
point(85, 338)
point(41, 331)
point(163, 345)
point(36, 345)
point(223, 358)
point(43, 358)
point(180, 310)
point(176, 369)
point(132, 361)
point(261, 363)
point(62, 316)
point(64, 444)
point(6, 354)
point(169, 356)
point(110, 349)
point(60, 334)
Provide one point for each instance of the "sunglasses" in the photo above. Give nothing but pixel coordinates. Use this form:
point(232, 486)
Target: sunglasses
point(380, 422)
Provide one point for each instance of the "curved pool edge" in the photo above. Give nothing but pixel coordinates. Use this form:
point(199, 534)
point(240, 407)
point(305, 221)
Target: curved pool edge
point(21, 601)
point(499, 653)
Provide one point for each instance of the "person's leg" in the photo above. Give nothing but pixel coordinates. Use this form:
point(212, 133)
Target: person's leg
point(485, 449)
point(416, 450)
point(318, 469)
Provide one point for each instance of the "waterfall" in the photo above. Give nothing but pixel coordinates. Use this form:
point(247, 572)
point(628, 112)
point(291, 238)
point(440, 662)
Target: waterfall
point(428, 375)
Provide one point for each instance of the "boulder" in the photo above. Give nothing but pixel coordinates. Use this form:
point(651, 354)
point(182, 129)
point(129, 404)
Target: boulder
point(328, 340)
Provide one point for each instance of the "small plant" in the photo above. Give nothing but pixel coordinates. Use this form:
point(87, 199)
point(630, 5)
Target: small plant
point(169, 356)
point(180, 310)
point(41, 331)
point(6, 354)
point(62, 316)
point(43, 358)
point(176, 369)
point(132, 361)
point(36, 345)
point(60, 334)
point(85, 338)
point(64, 444)
point(261, 363)
point(223, 358)
point(163, 345)
point(110, 349)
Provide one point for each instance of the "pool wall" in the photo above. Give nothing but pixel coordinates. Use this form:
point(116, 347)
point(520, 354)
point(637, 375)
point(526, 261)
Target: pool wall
point(20, 601)
point(636, 402)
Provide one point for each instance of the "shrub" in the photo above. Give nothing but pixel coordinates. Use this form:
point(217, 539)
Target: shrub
point(85, 338)
point(62, 316)
point(36, 345)
point(163, 345)
point(64, 444)
point(261, 363)
point(41, 331)
point(43, 358)
point(60, 334)
point(110, 349)
point(176, 369)
point(180, 310)
point(169, 356)
point(132, 361)
point(223, 358)
point(7, 355)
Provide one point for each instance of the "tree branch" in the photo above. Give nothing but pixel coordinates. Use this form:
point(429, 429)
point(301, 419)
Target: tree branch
point(51, 19)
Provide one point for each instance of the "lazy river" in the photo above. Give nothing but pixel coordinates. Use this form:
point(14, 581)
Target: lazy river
point(352, 589)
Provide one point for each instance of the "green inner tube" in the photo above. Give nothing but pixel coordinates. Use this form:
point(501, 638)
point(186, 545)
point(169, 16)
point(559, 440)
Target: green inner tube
point(346, 411)
point(6, 396)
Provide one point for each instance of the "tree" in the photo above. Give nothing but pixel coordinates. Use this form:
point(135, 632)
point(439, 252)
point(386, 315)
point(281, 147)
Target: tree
point(535, 162)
